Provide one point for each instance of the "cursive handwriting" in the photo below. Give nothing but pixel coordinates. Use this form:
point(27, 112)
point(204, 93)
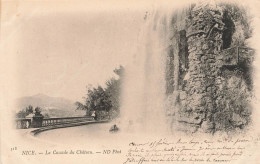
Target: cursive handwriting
point(187, 150)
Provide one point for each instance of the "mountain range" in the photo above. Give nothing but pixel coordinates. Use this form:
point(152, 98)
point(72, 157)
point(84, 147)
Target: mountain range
point(53, 106)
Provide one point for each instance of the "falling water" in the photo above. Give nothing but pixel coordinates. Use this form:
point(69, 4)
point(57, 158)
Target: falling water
point(142, 108)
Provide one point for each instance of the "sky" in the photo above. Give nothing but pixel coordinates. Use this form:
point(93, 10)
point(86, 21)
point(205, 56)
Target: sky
point(58, 50)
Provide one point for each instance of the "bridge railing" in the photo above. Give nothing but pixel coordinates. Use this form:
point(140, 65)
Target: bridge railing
point(24, 123)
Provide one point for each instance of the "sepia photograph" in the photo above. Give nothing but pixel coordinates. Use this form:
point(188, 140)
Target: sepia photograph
point(131, 82)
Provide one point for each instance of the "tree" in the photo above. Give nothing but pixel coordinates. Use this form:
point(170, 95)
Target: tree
point(21, 114)
point(104, 99)
point(28, 110)
point(38, 111)
point(25, 112)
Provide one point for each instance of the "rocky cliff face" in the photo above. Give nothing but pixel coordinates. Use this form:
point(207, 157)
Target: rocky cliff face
point(208, 72)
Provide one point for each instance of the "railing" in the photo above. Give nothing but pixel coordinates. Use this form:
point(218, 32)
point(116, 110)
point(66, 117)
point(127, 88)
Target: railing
point(62, 120)
point(24, 123)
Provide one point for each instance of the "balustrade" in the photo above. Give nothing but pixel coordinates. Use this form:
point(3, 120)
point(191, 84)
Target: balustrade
point(24, 123)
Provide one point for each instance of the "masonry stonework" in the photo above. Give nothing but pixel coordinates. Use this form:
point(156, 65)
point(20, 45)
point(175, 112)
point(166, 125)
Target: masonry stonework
point(211, 86)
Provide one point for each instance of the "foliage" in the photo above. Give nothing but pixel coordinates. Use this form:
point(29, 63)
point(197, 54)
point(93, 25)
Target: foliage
point(81, 106)
point(28, 110)
point(233, 102)
point(38, 111)
point(105, 101)
point(25, 112)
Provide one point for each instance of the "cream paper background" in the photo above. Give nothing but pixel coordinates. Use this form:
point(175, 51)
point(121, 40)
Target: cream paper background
point(16, 15)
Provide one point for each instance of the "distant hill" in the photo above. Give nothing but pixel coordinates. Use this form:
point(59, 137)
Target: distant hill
point(53, 106)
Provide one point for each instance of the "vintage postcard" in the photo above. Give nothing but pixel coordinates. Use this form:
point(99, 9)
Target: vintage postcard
point(130, 82)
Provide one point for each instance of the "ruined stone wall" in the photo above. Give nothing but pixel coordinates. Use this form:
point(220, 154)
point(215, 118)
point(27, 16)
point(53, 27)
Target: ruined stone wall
point(204, 41)
point(213, 84)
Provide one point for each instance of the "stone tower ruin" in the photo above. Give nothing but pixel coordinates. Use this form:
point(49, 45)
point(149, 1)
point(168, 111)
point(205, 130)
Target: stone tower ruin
point(208, 69)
